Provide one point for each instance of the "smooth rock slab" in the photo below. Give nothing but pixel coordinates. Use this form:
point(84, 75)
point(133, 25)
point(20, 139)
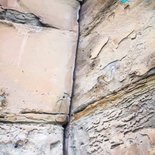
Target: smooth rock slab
point(17, 139)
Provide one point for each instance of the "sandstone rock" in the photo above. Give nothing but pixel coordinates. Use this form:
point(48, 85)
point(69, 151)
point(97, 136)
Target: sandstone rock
point(116, 48)
point(32, 66)
point(60, 14)
point(38, 43)
point(113, 110)
point(37, 59)
point(16, 139)
point(126, 125)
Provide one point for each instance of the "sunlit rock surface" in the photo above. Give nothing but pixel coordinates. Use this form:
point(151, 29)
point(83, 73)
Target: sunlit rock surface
point(38, 41)
point(38, 44)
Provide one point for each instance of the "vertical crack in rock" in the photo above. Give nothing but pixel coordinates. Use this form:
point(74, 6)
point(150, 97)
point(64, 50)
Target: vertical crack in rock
point(67, 126)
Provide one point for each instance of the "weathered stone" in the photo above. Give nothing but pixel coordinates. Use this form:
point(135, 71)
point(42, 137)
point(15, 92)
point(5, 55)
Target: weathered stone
point(60, 14)
point(38, 44)
point(37, 66)
point(113, 108)
point(116, 48)
point(126, 125)
point(16, 139)
point(19, 17)
point(113, 103)
point(36, 69)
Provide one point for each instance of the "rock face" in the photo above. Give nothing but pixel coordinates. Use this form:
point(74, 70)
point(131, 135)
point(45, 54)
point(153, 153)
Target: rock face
point(116, 48)
point(110, 107)
point(38, 46)
point(38, 42)
point(113, 104)
point(119, 124)
point(59, 14)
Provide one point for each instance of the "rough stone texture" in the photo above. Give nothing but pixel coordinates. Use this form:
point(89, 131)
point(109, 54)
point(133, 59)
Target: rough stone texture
point(121, 124)
point(38, 46)
point(38, 40)
point(17, 139)
point(113, 110)
point(116, 47)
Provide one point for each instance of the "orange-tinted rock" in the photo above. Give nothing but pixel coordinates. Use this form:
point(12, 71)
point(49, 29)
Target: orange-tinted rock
point(32, 139)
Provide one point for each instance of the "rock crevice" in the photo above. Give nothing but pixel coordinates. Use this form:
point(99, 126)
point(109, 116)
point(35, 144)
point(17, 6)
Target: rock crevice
point(22, 18)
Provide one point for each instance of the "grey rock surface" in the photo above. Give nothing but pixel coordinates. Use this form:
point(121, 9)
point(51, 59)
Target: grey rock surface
point(31, 139)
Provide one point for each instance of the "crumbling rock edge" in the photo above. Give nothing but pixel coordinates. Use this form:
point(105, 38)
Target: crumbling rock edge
point(23, 18)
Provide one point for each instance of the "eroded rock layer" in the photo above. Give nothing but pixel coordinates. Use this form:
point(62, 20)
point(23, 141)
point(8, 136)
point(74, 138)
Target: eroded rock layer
point(113, 105)
point(116, 48)
point(114, 97)
point(123, 123)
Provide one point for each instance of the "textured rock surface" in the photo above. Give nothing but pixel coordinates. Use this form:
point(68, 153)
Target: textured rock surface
point(38, 44)
point(123, 123)
point(114, 97)
point(16, 139)
point(116, 47)
point(113, 105)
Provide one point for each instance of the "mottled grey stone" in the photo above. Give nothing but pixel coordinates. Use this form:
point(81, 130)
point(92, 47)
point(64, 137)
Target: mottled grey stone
point(31, 139)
